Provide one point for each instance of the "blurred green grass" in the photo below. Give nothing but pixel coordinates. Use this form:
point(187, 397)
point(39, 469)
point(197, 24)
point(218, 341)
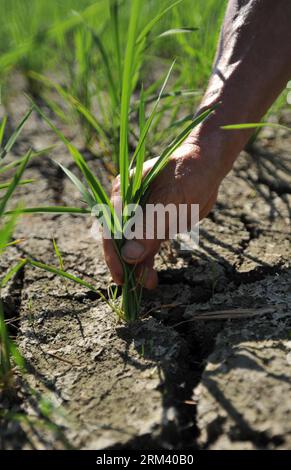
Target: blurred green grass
point(58, 37)
point(33, 35)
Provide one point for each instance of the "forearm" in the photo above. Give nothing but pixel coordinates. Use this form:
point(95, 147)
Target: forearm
point(252, 67)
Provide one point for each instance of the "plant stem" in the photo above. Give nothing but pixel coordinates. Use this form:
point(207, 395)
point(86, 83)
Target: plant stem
point(131, 294)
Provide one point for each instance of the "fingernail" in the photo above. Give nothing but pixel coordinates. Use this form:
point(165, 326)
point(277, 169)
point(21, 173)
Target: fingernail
point(132, 250)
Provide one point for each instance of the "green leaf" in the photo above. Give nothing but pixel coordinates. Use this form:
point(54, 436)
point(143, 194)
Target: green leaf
point(18, 161)
point(60, 272)
point(254, 125)
point(5, 363)
point(140, 156)
point(22, 182)
point(50, 210)
point(183, 120)
point(96, 187)
point(114, 13)
point(147, 29)
point(98, 9)
point(110, 218)
point(17, 356)
point(88, 198)
point(72, 100)
point(11, 273)
point(58, 253)
point(6, 232)
point(66, 275)
point(171, 32)
point(14, 136)
point(163, 159)
point(2, 129)
point(141, 153)
point(107, 67)
point(125, 97)
point(14, 242)
point(14, 183)
point(173, 94)
point(13, 56)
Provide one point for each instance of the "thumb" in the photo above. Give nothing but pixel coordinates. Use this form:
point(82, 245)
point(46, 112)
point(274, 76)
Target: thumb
point(136, 251)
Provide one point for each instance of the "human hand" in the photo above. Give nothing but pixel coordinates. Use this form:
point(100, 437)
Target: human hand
point(188, 178)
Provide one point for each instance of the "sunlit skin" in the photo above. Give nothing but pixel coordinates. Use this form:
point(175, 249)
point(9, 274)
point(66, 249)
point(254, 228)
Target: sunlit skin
point(251, 68)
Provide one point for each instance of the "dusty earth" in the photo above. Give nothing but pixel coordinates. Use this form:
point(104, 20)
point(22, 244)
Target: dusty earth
point(175, 379)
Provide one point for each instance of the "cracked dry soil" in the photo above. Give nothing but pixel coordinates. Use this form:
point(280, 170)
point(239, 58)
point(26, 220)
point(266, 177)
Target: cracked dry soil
point(167, 381)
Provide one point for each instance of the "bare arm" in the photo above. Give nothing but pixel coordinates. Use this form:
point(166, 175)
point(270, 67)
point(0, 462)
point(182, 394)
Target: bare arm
point(252, 67)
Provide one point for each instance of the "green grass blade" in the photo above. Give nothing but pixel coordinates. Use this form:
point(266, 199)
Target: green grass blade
point(107, 67)
point(61, 273)
point(125, 98)
point(98, 9)
point(11, 273)
point(14, 136)
point(111, 219)
point(14, 242)
point(96, 187)
point(163, 159)
point(181, 121)
point(66, 275)
point(99, 194)
point(254, 125)
point(174, 94)
point(60, 28)
point(17, 162)
point(21, 182)
point(88, 198)
point(2, 129)
point(58, 254)
point(72, 100)
point(114, 13)
point(6, 231)
point(171, 32)
point(140, 156)
point(90, 118)
point(18, 359)
point(50, 210)
point(153, 113)
point(5, 363)
point(147, 29)
point(14, 183)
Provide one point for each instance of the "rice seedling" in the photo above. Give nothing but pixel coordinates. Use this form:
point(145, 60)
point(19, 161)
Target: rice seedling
point(11, 358)
point(5, 352)
point(122, 88)
point(31, 31)
point(134, 188)
point(96, 97)
point(7, 226)
point(9, 354)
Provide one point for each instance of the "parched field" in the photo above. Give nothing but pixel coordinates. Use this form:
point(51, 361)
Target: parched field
point(180, 377)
